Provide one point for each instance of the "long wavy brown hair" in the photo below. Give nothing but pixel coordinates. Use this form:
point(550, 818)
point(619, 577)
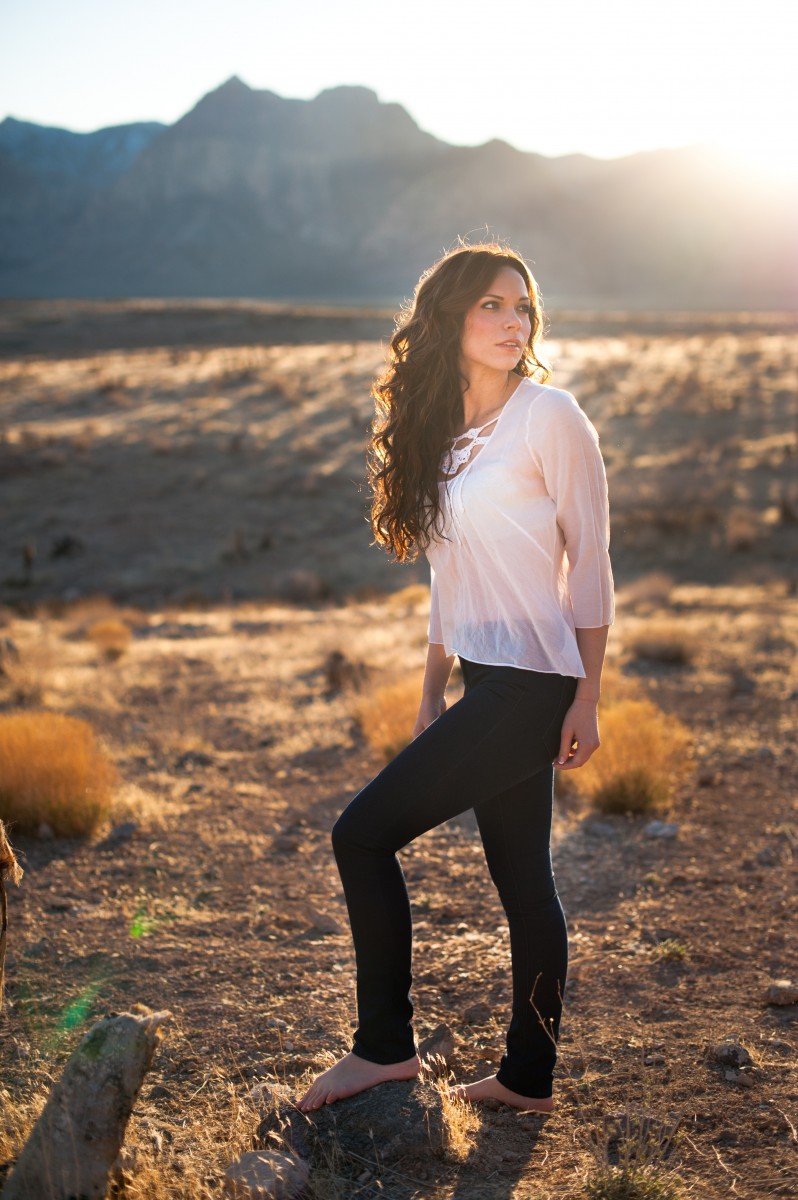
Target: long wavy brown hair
point(419, 396)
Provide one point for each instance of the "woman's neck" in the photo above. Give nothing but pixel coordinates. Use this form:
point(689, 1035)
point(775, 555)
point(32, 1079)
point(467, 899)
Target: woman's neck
point(485, 395)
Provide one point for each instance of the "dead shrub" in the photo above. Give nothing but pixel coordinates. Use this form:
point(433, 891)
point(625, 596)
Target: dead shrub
point(665, 641)
point(650, 590)
point(387, 715)
point(341, 672)
point(26, 674)
point(111, 636)
point(643, 754)
point(631, 1183)
point(630, 1151)
point(53, 772)
point(741, 530)
point(408, 598)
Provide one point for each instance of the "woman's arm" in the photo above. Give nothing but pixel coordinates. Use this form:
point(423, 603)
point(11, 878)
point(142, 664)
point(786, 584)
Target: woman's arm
point(436, 676)
point(581, 721)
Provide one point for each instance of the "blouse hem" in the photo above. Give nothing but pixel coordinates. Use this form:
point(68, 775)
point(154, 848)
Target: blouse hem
point(539, 670)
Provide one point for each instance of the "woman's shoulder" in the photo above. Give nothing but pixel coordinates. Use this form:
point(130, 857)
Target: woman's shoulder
point(544, 402)
point(553, 411)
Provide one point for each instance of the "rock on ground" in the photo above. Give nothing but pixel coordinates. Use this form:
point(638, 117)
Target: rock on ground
point(782, 992)
point(395, 1120)
point(266, 1175)
point(731, 1054)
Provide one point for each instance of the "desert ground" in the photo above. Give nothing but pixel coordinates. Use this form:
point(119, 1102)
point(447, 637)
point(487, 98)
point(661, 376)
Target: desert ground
point(201, 482)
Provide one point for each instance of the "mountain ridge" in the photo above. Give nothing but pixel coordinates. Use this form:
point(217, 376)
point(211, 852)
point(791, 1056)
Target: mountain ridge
point(343, 196)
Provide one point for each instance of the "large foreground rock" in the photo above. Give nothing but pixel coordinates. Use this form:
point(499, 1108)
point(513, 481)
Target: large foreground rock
point(77, 1138)
point(393, 1120)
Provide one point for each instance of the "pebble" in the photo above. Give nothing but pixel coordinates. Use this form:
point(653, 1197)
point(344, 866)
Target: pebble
point(191, 759)
point(665, 830)
point(440, 1043)
point(741, 684)
point(477, 1014)
point(266, 1175)
point(324, 922)
point(731, 1054)
point(271, 1093)
point(783, 991)
point(654, 1060)
point(119, 833)
point(285, 843)
point(601, 829)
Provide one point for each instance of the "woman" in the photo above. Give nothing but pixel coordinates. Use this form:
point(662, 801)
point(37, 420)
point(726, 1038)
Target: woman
point(498, 478)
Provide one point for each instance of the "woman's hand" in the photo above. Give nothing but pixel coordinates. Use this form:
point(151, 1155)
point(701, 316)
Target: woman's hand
point(581, 727)
point(429, 710)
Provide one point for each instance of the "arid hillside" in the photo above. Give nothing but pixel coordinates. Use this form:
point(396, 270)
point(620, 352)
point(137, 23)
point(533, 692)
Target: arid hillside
point(220, 469)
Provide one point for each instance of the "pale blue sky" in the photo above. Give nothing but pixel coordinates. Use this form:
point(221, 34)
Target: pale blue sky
point(606, 77)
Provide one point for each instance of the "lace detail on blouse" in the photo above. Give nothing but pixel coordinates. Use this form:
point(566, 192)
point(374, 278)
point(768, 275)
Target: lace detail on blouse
point(461, 455)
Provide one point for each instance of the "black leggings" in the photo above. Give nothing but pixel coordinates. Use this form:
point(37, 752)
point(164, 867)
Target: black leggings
point(492, 751)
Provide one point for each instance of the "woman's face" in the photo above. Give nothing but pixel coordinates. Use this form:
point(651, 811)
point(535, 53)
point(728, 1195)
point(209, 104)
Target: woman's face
point(497, 327)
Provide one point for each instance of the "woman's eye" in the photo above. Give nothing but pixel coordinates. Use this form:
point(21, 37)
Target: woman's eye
point(489, 304)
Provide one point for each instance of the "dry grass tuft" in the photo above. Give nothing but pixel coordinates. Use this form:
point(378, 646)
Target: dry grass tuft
point(387, 715)
point(643, 754)
point(665, 640)
point(110, 636)
point(459, 1119)
point(18, 1114)
point(670, 950)
point(630, 1149)
point(631, 1183)
point(53, 772)
point(9, 869)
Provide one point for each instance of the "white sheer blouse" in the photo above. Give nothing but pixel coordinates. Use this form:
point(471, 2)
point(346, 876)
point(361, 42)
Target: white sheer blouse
point(527, 521)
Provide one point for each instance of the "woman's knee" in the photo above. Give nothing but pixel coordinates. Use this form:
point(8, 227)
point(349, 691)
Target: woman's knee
point(351, 832)
point(366, 823)
point(340, 834)
point(529, 897)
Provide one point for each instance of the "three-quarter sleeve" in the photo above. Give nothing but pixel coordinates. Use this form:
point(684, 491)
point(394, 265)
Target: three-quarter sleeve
point(434, 629)
point(565, 447)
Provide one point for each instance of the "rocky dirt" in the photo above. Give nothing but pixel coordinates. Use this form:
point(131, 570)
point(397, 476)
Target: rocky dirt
point(215, 896)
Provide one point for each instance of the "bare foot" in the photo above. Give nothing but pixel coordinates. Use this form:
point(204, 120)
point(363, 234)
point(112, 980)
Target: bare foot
point(351, 1075)
point(491, 1089)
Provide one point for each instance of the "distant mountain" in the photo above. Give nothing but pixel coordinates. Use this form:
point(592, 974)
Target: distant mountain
point(345, 198)
point(88, 159)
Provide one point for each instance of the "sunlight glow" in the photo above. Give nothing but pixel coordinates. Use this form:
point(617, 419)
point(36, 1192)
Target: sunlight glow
point(599, 77)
